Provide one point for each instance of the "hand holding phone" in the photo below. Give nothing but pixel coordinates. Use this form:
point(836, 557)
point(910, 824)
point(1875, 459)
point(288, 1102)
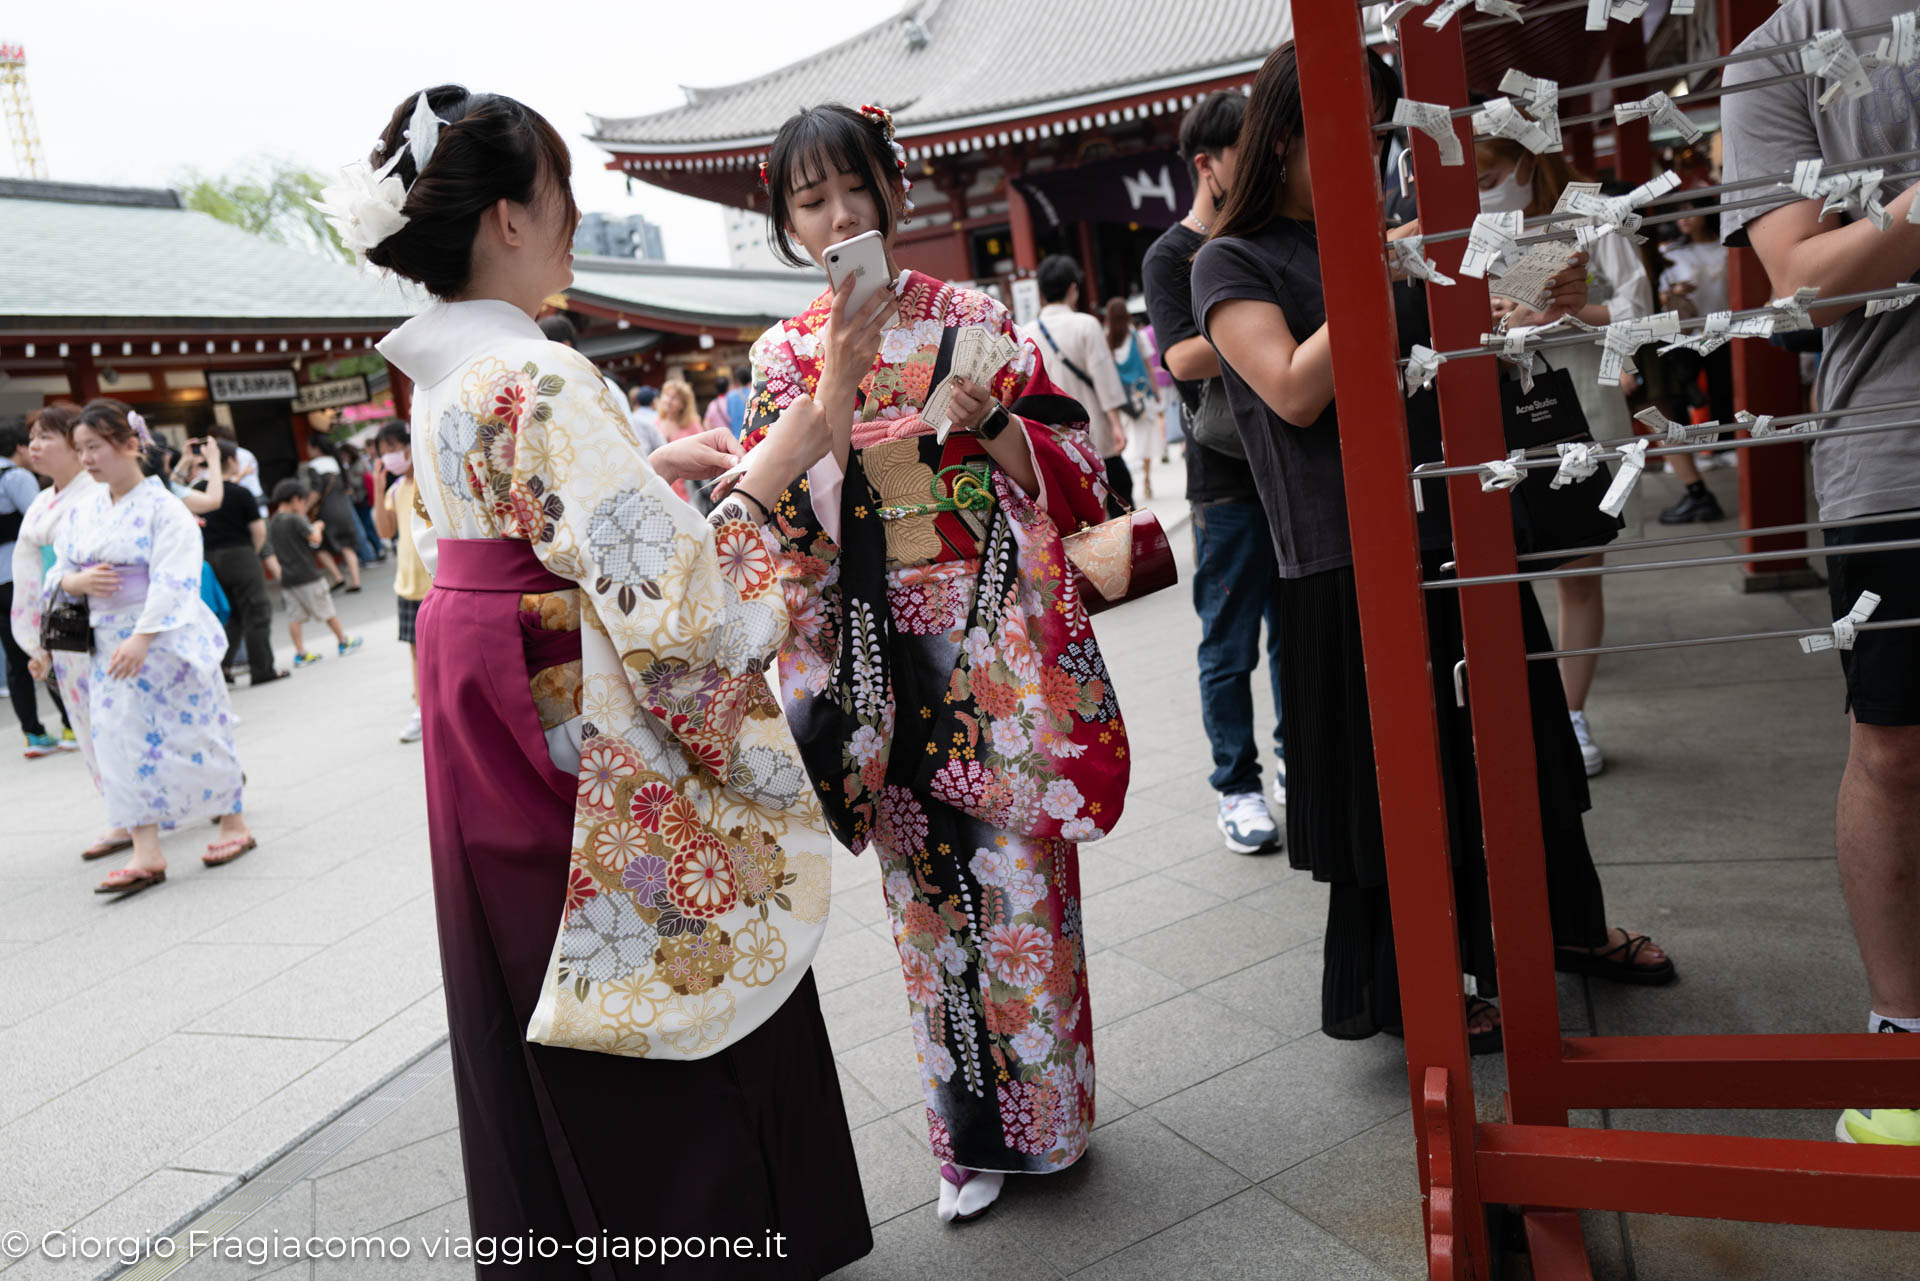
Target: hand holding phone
point(864, 260)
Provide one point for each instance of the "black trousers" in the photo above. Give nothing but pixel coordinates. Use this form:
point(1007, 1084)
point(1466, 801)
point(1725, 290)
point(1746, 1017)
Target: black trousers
point(245, 583)
point(1120, 481)
point(20, 681)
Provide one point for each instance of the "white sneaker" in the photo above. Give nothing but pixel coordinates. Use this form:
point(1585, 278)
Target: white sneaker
point(411, 734)
point(1280, 786)
point(1246, 824)
point(1589, 750)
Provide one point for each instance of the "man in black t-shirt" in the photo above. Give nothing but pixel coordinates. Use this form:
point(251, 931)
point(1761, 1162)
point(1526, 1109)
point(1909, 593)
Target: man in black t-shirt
point(233, 534)
point(1234, 570)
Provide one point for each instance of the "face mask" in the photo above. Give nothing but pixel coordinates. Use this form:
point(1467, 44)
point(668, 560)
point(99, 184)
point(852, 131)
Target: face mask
point(396, 463)
point(1507, 196)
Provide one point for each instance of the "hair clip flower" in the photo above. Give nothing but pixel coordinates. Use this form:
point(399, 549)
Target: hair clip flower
point(139, 425)
point(763, 175)
point(880, 116)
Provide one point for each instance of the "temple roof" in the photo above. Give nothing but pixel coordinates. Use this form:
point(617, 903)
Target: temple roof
point(725, 299)
point(942, 64)
point(120, 256)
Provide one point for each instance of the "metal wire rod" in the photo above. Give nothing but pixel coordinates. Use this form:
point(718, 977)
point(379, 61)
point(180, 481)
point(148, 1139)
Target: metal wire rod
point(1680, 69)
point(1891, 624)
point(1432, 471)
point(1567, 221)
point(1539, 221)
point(1689, 642)
point(1780, 424)
point(1691, 562)
point(1533, 11)
point(1710, 91)
point(1725, 536)
point(1691, 323)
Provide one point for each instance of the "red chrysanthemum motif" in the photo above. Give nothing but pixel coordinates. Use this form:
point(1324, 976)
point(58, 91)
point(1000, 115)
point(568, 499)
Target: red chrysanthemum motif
point(700, 879)
point(996, 700)
point(1060, 690)
point(710, 756)
point(681, 824)
point(603, 763)
point(580, 888)
point(649, 805)
point(744, 557)
point(510, 398)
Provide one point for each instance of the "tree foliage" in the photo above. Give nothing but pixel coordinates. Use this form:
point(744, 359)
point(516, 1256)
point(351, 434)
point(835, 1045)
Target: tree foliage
point(267, 197)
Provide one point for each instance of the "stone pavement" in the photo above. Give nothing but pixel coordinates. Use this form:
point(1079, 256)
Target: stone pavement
point(160, 1048)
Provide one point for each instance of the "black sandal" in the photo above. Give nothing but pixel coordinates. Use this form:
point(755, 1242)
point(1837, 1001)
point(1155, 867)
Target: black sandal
point(1617, 964)
point(1478, 1043)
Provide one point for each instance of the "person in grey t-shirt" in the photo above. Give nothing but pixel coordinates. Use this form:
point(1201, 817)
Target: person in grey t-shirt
point(1871, 360)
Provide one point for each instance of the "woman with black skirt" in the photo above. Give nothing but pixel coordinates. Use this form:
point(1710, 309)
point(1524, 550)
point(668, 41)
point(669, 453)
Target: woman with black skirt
point(1256, 284)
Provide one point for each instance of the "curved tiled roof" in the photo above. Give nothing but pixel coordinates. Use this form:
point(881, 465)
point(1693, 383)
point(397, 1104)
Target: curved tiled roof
point(127, 254)
point(725, 297)
point(939, 61)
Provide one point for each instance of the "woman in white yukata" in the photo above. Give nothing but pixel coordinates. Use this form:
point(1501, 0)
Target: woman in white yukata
point(154, 700)
point(50, 452)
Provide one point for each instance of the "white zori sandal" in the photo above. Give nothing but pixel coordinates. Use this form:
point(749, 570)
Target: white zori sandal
point(966, 1194)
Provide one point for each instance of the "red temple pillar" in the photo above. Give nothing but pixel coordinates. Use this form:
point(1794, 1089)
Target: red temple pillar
point(402, 388)
point(1766, 380)
point(1026, 249)
point(1090, 264)
point(1632, 148)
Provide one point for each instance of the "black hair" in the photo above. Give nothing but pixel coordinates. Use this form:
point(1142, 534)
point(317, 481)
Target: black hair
point(720, 384)
point(645, 395)
point(289, 491)
point(559, 329)
point(107, 418)
point(811, 146)
point(1059, 273)
point(1275, 121)
point(229, 452)
point(395, 431)
point(1211, 127)
point(493, 148)
point(743, 375)
point(13, 436)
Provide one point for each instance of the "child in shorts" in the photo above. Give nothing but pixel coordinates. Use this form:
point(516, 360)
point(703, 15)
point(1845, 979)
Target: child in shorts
point(296, 543)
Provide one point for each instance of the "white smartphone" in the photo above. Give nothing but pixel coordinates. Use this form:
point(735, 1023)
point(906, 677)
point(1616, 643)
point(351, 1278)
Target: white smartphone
point(865, 259)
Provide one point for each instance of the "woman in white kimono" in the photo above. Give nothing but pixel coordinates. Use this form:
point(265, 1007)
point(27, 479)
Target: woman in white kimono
point(156, 705)
point(50, 452)
point(630, 869)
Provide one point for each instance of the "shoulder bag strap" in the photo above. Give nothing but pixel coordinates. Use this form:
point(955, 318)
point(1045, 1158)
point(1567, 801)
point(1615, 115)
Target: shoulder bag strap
point(1072, 368)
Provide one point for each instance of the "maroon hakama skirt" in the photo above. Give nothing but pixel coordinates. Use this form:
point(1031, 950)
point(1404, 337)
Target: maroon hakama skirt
point(570, 1144)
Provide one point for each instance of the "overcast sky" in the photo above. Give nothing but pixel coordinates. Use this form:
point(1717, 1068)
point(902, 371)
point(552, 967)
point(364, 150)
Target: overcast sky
point(133, 93)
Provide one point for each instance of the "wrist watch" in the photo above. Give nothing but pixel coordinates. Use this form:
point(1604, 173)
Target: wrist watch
point(994, 423)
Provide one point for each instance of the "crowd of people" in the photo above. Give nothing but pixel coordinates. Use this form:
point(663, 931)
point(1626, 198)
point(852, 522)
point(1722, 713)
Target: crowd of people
point(943, 705)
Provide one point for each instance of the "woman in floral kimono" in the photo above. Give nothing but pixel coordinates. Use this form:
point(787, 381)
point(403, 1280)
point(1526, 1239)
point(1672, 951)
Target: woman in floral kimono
point(943, 681)
point(51, 453)
point(156, 704)
point(630, 871)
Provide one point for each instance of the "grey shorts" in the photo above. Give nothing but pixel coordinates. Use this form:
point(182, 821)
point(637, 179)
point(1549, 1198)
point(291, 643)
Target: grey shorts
point(309, 602)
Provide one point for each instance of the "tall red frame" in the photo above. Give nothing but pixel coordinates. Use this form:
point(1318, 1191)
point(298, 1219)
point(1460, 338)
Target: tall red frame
point(1533, 1161)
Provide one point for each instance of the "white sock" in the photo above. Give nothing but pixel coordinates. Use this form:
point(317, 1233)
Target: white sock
point(1881, 1023)
point(981, 1191)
